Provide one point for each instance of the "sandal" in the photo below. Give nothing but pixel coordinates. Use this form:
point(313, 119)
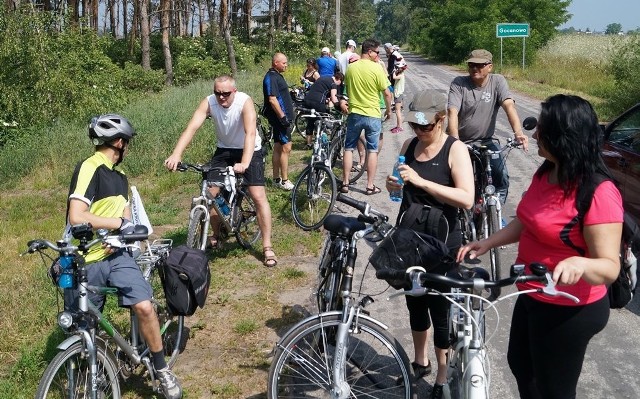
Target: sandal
point(373, 190)
point(420, 371)
point(214, 243)
point(269, 260)
point(344, 189)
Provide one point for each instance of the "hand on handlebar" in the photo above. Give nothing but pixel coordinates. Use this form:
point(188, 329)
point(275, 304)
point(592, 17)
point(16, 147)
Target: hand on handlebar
point(523, 140)
point(172, 162)
point(568, 271)
point(473, 249)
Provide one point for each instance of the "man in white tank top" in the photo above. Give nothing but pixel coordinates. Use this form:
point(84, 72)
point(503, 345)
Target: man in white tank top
point(234, 115)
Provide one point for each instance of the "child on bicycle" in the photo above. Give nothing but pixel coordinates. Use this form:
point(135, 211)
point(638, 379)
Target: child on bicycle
point(99, 195)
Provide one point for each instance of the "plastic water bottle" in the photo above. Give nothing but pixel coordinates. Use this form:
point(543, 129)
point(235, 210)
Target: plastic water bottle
point(222, 204)
point(396, 195)
point(66, 277)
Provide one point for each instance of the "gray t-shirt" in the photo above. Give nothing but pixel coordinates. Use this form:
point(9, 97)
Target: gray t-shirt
point(477, 106)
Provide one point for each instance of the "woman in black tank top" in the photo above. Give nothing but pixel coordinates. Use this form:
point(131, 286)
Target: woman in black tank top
point(437, 172)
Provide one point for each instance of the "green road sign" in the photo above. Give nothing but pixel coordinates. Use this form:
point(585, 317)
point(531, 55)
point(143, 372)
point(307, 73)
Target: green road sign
point(512, 30)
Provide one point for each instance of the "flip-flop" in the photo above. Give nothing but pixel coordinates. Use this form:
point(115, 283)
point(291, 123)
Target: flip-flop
point(269, 260)
point(344, 189)
point(373, 190)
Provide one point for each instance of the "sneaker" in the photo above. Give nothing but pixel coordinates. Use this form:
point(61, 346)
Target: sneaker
point(169, 383)
point(286, 185)
point(437, 391)
point(277, 181)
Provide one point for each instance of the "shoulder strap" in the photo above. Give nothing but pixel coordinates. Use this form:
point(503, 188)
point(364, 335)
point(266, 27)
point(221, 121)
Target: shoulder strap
point(583, 203)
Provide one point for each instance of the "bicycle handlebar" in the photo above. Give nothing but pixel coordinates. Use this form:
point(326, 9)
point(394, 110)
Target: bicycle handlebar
point(482, 148)
point(370, 214)
point(418, 279)
point(116, 241)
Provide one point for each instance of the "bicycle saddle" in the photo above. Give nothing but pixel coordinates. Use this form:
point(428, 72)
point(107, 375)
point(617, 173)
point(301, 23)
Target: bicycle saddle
point(343, 225)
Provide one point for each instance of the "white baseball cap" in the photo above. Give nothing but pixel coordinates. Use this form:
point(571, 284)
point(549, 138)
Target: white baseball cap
point(326, 50)
point(351, 43)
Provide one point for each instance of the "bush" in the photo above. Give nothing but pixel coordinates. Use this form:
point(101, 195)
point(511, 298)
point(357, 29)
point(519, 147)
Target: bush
point(624, 68)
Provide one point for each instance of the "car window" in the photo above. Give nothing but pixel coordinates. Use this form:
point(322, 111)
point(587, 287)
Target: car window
point(626, 132)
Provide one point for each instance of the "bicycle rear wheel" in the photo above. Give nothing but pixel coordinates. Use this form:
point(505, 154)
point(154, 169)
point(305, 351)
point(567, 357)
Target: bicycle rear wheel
point(376, 364)
point(69, 375)
point(196, 230)
point(330, 277)
point(314, 195)
point(494, 253)
point(360, 155)
point(245, 219)
point(300, 125)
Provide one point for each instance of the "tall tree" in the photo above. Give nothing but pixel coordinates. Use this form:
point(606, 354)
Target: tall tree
point(165, 9)
point(613, 29)
point(145, 35)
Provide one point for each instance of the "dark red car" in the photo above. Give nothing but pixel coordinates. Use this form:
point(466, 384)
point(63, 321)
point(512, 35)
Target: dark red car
point(621, 152)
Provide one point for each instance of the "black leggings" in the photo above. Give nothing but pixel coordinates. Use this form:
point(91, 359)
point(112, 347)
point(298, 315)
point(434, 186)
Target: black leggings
point(431, 308)
point(547, 345)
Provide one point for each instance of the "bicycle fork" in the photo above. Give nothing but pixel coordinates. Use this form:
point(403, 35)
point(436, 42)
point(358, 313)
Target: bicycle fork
point(340, 388)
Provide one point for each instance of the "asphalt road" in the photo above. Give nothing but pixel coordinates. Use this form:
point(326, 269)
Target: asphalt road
point(612, 360)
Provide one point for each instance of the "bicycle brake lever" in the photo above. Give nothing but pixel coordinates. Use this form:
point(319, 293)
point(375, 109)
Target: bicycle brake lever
point(420, 291)
point(550, 289)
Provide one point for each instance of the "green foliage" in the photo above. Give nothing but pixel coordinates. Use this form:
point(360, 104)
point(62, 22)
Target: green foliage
point(394, 21)
point(624, 68)
point(448, 30)
point(613, 29)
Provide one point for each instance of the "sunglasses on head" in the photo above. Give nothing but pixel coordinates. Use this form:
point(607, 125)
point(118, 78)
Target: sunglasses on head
point(222, 93)
point(425, 128)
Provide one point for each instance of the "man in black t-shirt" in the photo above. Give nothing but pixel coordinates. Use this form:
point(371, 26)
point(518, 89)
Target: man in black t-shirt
point(322, 94)
point(278, 109)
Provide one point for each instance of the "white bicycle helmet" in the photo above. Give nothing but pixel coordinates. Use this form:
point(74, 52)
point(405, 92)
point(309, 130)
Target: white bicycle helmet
point(106, 128)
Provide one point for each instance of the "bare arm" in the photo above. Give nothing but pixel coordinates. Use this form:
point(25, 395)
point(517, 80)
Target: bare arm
point(603, 267)
point(387, 101)
point(452, 129)
point(333, 96)
point(507, 235)
point(79, 213)
point(199, 116)
point(509, 107)
point(275, 105)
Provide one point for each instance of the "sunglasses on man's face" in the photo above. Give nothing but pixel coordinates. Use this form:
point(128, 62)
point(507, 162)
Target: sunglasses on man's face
point(476, 65)
point(375, 51)
point(224, 94)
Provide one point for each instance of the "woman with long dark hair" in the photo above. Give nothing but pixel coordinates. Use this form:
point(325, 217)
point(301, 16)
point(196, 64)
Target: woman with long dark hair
point(549, 335)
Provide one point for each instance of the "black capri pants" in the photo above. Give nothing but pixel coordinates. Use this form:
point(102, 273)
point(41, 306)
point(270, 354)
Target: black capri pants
point(547, 345)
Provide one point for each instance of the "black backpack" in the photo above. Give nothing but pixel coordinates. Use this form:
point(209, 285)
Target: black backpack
point(622, 289)
point(186, 278)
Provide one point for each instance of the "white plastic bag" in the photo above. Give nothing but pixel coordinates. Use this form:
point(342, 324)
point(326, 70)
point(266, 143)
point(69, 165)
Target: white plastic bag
point(138, 214)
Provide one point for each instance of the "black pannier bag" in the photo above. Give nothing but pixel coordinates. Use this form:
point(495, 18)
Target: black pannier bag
point(186, 280)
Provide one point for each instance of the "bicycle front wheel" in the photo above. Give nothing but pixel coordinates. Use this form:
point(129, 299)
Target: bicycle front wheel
point(493, 221)
point(314, 195)
point(376, 364)
point(246, 221)
point(69, 375)
point(196, 230)
point(336, 153)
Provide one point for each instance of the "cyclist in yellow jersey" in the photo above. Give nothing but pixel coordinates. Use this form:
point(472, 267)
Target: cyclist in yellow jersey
point(99, 195)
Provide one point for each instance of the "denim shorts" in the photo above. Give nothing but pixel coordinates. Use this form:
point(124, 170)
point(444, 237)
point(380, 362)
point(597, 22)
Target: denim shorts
point(372, 127)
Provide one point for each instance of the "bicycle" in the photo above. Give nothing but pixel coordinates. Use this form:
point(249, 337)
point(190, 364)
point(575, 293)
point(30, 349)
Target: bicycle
point(336, 153)
point(94, 355)
point(485, 217)
point(344, 234)
point(341, 353)
point(314, 192)
point(468, 374)
point(237, 210)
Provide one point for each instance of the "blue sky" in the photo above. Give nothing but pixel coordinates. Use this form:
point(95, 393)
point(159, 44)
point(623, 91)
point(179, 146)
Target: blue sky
point(597, 14)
